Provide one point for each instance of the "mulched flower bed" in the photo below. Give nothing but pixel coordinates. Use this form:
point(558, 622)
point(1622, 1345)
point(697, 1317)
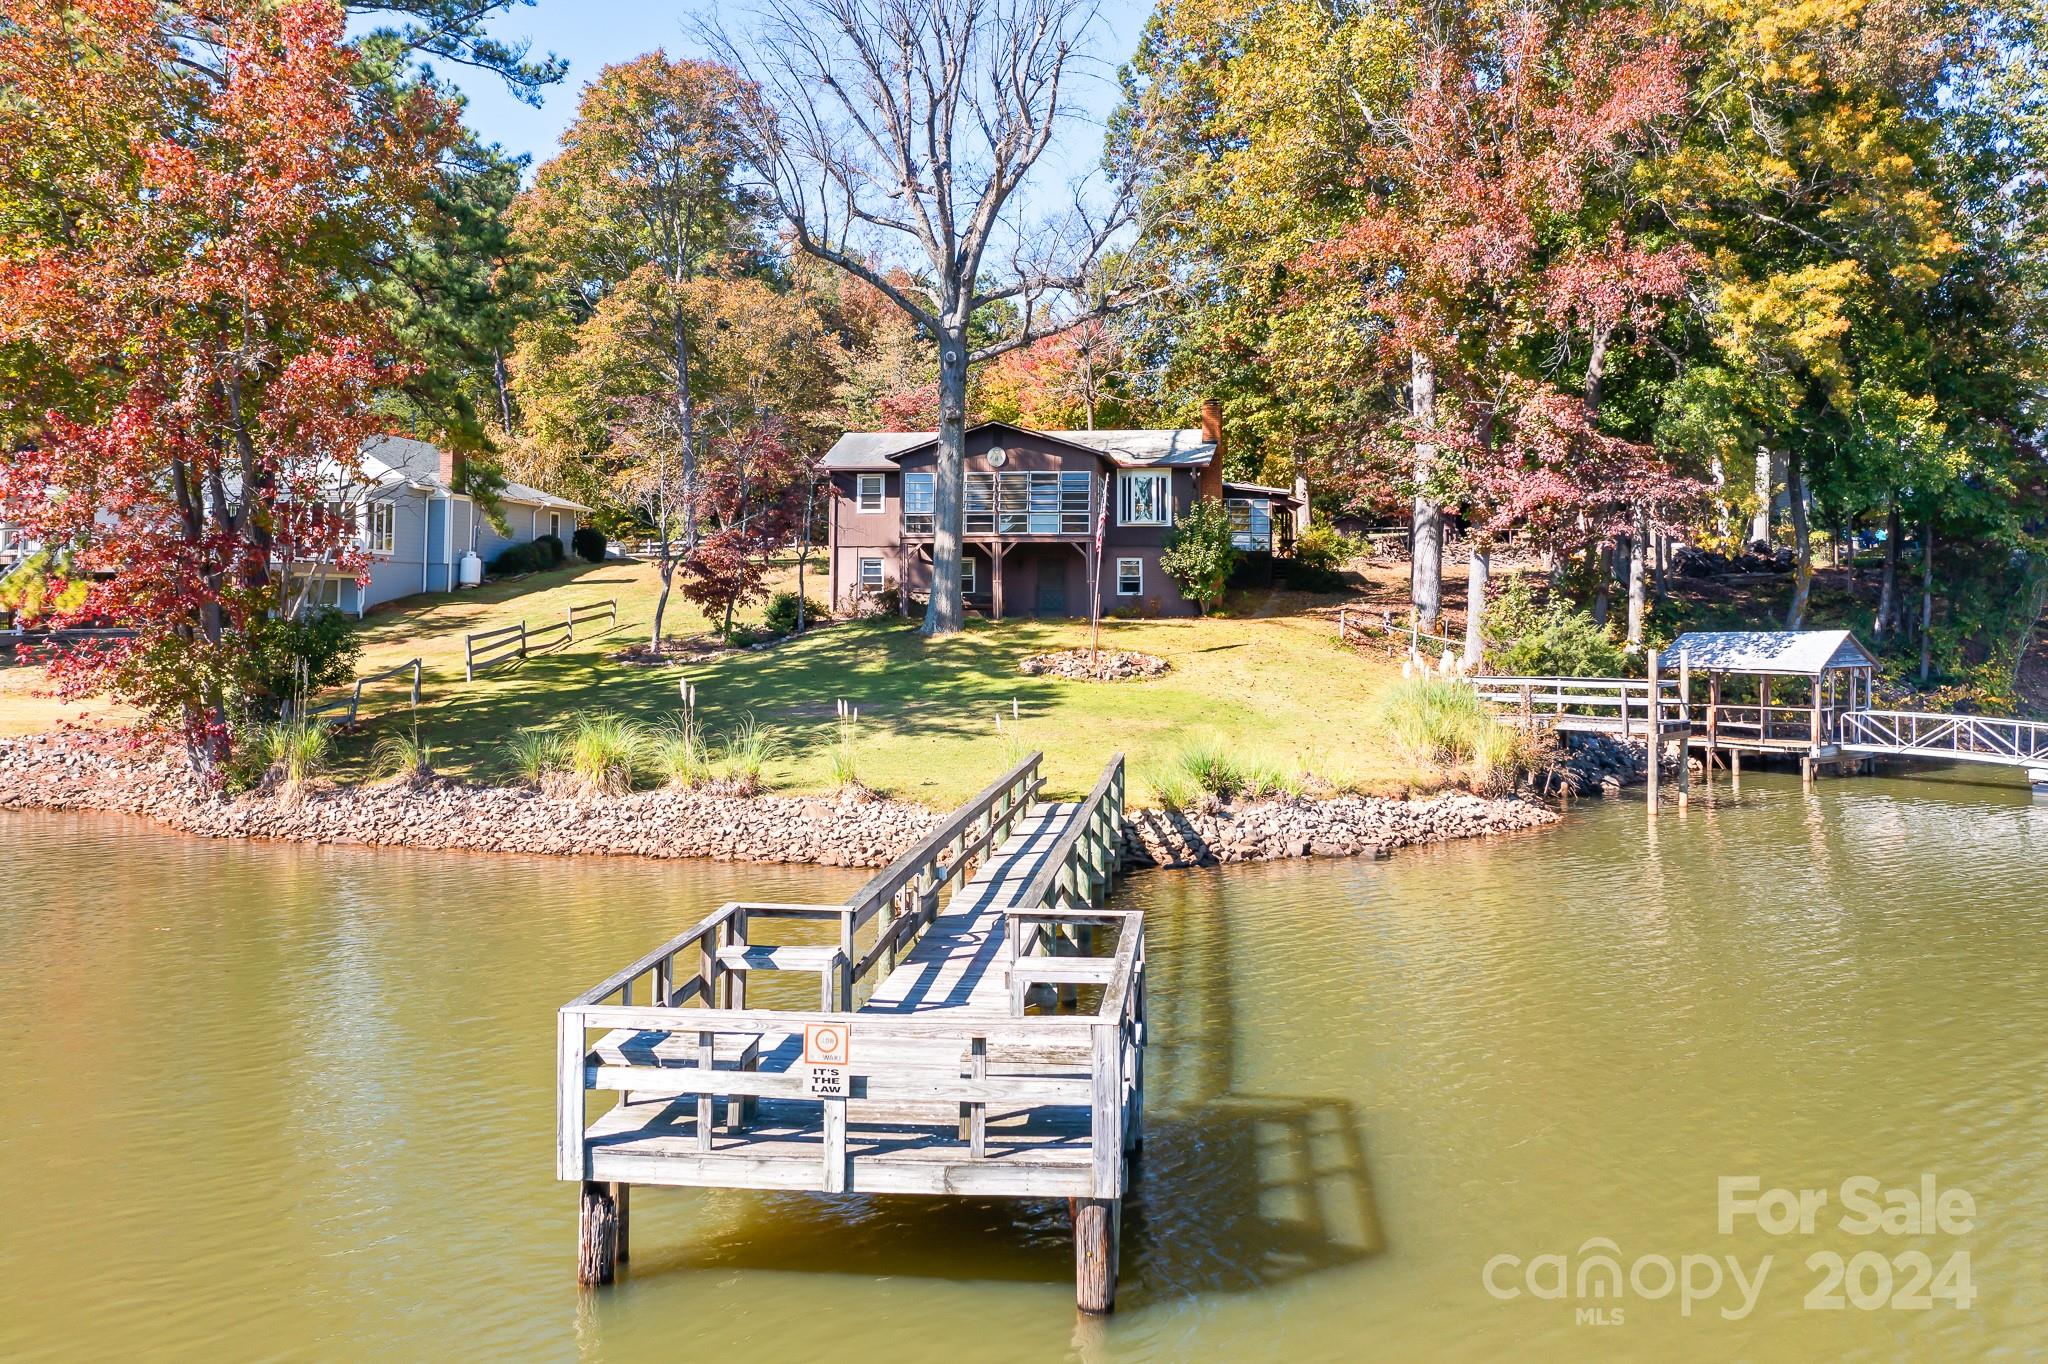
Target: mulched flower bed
point(1109, 665)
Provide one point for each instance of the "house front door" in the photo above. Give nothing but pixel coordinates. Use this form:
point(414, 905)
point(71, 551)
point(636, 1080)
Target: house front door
point(1052, 594)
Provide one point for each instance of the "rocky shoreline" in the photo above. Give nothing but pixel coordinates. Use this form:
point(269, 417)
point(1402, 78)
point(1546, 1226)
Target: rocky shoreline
point(83, 772)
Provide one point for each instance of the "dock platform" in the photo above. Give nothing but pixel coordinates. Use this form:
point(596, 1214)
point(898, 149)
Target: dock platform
point(986, 1025)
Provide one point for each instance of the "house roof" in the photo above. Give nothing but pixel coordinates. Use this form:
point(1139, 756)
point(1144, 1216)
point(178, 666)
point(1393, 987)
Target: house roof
point(1800, 653)
point(878, 451)
point(1259, 489)
point(534, 497)
point(393, 460)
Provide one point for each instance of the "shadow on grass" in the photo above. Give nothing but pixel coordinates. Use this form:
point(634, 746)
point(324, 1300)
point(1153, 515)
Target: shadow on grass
point(902, 682)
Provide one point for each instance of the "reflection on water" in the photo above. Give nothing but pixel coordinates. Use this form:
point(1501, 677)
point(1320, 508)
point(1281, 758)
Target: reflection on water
point(266, 1100)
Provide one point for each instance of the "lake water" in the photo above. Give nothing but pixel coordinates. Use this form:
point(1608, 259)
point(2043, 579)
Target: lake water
point(282, 1102)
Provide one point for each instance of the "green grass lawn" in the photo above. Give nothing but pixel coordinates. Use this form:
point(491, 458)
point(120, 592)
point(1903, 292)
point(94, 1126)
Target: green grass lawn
point(1271, 685)
point(938, 719)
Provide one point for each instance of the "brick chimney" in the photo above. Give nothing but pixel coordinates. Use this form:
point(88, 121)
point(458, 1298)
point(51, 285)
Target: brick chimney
point(1210, 482)
point(449, 466)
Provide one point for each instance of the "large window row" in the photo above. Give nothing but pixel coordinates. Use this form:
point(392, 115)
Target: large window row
point(1025, 502)
point(1251, 523)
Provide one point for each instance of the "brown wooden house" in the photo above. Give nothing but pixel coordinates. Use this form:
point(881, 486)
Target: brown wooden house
point(1032, 499)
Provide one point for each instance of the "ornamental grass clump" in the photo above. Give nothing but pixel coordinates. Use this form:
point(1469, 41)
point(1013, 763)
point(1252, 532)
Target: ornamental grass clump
point(404, 758)
point(743, 760)
point(603, 753)
point(1440, 723)
point(1210, 767)
point(295, 755)
point(680, 755)
point(535, 755)
point(844, 759)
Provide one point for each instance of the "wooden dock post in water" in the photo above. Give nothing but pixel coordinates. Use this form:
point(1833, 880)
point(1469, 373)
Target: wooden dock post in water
point(1095, 1251)
point(1656, 735)
point(600, 1229)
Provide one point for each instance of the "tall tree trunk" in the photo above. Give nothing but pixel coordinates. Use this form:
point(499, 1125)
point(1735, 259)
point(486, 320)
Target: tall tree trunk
point(1638, 576)
point(1478, 569)
point(1663, 543)
point(1760, 524)
point(668, 577)
point(1603, 578)
point(1926, 600)
point(1426, 558)
point(1596, 368)
point(1802, 544)
point(501, 379)
point(803, 549)
point(686, 429)
point(1888, 586)
point(943, 611)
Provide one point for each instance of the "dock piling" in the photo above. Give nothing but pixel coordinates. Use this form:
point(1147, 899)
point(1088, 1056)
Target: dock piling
point(1095, 1252)
point(598, 1228)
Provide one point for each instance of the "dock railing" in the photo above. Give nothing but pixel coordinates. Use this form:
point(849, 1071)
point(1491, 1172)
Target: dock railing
point(1961, 738)
point(692, 991)
point(1623, 701)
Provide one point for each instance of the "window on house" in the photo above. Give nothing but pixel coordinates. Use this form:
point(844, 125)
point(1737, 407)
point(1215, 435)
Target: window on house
point(868, 492)
point(966, 575)
point(1251, 523)
point(979, 495)
point(555, 524)
point(1029, 502)
point(870, 575)
point(380, 527)
point(920, 496)
point(1145, 499)
point(1130, 577)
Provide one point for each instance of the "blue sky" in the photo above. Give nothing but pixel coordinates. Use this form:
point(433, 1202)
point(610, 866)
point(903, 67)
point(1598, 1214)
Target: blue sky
point(592, 34)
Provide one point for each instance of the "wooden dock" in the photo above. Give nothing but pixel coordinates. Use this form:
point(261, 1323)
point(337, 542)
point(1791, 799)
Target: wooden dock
point(1834, 721)
point(998, 1049)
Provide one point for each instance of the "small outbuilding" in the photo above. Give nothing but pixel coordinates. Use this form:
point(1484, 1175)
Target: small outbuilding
point(1838, 670)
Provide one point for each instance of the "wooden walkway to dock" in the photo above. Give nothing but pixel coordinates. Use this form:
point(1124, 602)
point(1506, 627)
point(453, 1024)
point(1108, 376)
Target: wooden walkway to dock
point(1001, 1051)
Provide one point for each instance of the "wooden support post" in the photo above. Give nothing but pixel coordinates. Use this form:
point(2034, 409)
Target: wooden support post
point(1735, 770)
point(974, 1116)
point(597, 1235)
point(995, 563)
point(1655, 756)
point(835, 1145)
point(1806, 769)
point(1684, 730)
point(1713, 719)
point(622, 1200)
point(1095, 1252)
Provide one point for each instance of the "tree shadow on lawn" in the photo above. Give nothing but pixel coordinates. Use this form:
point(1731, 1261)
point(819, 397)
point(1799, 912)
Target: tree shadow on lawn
point(384, 623)
point(902, 683)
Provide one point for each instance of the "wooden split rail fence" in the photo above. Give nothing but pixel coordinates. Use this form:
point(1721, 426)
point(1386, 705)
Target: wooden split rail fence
point(353, 702)
point(970, 1068)
point(487, 649)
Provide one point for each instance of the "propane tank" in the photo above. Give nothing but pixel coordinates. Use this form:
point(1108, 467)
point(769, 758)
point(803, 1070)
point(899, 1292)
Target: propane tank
point(472, 569)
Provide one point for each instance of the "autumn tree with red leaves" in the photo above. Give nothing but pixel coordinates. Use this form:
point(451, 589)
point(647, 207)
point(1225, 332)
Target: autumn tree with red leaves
point(1493, 241)
point(756, 482)
point(191, 200)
